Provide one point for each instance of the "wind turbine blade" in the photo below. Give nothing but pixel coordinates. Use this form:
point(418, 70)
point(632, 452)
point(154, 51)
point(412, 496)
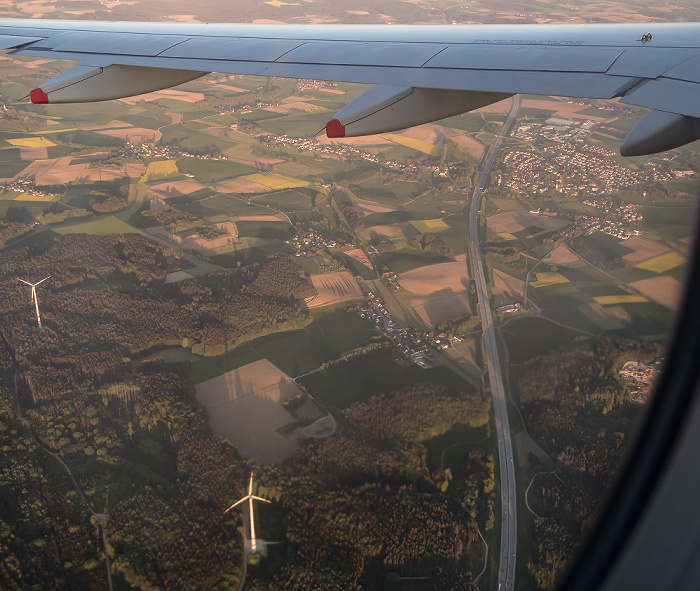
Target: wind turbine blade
point(23, 281)
point(250, 486)
point(236, 503)
point(42, 281)
point(260, 499)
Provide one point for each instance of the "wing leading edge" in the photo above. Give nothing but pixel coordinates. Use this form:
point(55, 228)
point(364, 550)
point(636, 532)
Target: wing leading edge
point(453, 68)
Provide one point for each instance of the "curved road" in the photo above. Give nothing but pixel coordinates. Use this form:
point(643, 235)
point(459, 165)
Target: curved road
point(509, 517)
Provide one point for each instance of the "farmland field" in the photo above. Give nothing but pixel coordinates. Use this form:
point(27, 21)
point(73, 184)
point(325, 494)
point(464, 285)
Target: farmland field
point(160, 169)
point(439, 291)
point(619, 299)
point(414, 144)
point(548, 278)
point(374, 373)
point(209, 171)
point(429, 226)
point(275, 181)
point(31, 142)
point(334, 288)
point(407, 259)
point(286, 200)
point(101, 227)
point(662, 263)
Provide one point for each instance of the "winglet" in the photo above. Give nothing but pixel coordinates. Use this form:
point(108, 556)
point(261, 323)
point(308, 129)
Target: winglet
point(39, 97)
point(335, 129)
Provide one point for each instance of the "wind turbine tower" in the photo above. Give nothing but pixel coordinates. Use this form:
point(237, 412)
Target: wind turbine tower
point(35, 301)
point(250, 498)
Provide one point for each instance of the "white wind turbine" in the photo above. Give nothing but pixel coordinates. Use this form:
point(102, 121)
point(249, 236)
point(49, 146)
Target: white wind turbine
point(35, 301)
point(250, 497)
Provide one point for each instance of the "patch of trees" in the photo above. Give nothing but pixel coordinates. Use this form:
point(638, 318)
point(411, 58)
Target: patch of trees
point(352, 215)
point(433, 243)
point(110, 204)
point(501, 251)
point(48, 218)
point(379, 515)
point(11, 230)
point(578, 409)
point(604, 260)
point(139, 448)
point(356, 538)
point(73, 259)
point(281, 277)
point(46, 538)
point(384, 434)
point(458, 324)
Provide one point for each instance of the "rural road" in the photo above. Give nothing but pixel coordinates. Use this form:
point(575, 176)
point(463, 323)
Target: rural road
point(509, 521)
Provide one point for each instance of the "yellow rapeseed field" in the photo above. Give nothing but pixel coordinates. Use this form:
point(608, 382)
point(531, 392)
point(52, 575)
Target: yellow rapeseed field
point(409, 142)
point(662, 263)
point(428, 226)
point(548, 278)
point(620, 299)
point(31, 142)
point(275, 181)
point(160, 169)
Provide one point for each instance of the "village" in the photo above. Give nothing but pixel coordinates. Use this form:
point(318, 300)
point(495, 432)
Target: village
point(349, 152)
point(410, 344)
point(644, 377)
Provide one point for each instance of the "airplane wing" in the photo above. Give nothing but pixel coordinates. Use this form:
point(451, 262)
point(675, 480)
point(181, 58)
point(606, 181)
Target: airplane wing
point(422, 73)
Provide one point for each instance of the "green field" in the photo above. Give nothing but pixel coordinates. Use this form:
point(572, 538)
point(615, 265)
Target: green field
point(10, 168)
point(88, 138)
point(388, 217)
point(218, 206)
point(374, 373)
point(407, 259)
point(102, 227)
point(248, 251)
point(286, 200)
point(302, 125)
point(529, 336)
point(210, 171)
point(668, 222)
point(465, 122)
point(269, 230)
point(192, 140)
point(332, 332)
point(150, 119)
point(456, 444)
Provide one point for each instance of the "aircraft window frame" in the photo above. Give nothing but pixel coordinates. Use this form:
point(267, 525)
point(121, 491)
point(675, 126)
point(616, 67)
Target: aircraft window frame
point(657, 439)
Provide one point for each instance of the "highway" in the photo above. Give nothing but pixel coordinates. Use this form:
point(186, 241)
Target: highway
point(509, 517)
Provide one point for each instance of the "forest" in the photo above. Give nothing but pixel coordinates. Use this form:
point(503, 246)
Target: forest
point(580, 412)
point(140, 450)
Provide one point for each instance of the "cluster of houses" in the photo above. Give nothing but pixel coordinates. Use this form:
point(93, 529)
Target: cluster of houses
point(307, 242)
point(616, 223)
point(407, 342)
point(303, 85)
point(24, 186)
point(643, 375)
point(555, 129)
point(392, 280)
point(348, 152)
point(153, 150)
